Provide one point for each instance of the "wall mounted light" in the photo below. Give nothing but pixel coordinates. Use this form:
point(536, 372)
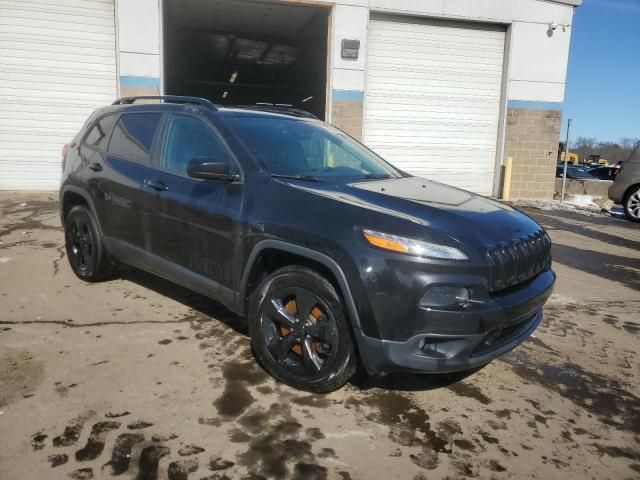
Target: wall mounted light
point(553, 26)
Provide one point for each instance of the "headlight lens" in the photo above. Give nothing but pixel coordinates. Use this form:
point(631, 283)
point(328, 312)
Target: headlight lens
point(412, 246)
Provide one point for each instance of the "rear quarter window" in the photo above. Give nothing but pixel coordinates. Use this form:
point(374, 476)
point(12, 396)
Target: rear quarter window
point(98, 135)
point(133, 136)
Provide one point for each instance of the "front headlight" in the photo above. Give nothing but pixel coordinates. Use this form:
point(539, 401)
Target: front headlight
point(411, 246)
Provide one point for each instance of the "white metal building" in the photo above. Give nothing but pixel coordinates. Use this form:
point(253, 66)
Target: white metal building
point(438, 87)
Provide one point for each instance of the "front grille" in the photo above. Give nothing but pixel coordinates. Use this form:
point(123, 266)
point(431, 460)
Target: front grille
point(518, 261)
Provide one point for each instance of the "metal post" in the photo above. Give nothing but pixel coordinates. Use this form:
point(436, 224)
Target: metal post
point(566, 159)
point(506, 185)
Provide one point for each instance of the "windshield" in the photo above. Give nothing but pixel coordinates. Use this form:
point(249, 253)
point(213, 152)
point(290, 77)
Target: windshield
point(310, 150)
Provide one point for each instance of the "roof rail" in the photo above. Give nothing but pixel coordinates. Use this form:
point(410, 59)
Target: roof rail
point(203, 102)
point(281, 109)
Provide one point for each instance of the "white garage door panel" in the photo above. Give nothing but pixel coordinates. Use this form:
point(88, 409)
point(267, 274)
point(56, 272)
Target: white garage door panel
point(432, 98)
point(58, 64)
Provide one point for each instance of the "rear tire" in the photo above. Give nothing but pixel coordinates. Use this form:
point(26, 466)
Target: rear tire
point(85, 248)
point(299, 331)
point(632, 205)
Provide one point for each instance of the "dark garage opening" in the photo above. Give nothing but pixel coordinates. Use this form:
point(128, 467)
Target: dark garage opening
point(237, 52)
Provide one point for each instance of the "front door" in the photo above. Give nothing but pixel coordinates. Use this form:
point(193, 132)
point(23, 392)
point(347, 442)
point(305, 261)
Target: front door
point(194, 226)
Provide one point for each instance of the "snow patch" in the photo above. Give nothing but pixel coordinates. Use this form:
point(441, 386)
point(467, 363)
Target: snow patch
point(585, 201)
point(576, 203)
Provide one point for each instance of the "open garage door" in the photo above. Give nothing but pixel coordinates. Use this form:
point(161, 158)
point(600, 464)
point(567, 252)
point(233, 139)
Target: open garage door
point(432, 98)
point(237, 52)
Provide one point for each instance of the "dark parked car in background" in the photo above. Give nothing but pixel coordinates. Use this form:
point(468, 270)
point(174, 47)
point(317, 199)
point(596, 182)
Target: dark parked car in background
point(604, 173)
point(332, 255)
point(573, 172)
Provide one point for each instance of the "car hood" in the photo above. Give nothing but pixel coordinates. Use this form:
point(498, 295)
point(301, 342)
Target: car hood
point(455, 212)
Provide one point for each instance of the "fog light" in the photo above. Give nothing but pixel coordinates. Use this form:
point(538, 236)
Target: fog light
point(444, 296)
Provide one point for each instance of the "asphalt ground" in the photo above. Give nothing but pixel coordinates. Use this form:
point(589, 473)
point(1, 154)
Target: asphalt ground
point(139, 378)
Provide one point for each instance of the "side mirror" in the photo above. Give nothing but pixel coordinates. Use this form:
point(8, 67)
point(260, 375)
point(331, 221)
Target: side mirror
point(209, 169)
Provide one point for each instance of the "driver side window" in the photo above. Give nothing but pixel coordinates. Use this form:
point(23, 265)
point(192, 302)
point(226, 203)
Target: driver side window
point(187, 138)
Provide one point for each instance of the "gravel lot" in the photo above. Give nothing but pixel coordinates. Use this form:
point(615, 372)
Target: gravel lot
point(140, 378)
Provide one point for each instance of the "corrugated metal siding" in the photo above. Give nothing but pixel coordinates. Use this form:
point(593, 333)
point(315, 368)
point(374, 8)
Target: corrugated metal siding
point(58, 64)
point(432, 99)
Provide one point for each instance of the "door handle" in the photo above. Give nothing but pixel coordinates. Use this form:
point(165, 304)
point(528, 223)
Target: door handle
point(96, 167)
point(158, 185)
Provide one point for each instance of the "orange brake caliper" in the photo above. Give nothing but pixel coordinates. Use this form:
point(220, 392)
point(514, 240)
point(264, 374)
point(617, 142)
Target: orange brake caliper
point(291, 308)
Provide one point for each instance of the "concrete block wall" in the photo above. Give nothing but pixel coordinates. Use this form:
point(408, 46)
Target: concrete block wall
point(347, 114)
point(129, 90)
point(531, 139)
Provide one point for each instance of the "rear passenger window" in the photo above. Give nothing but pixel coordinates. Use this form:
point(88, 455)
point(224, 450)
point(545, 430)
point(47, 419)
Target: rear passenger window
point(98, 136)
point(133, 135)
point(187, 138)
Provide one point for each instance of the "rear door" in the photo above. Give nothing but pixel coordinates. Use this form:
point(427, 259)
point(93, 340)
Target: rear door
point(123, 202)
point(194, 225)
point(93, 147)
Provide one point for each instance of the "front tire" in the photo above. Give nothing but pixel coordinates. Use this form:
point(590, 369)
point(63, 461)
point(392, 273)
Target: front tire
point(85, 249)
point(632, 205)
point(299, 331)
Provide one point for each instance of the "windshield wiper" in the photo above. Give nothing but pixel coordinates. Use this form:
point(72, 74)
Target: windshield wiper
point(306, 178)
point(377, 176)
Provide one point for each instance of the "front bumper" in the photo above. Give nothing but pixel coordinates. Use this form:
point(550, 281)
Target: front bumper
point(452, 343)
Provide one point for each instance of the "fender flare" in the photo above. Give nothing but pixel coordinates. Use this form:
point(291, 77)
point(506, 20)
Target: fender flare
point(83, 194)
point(314, 255)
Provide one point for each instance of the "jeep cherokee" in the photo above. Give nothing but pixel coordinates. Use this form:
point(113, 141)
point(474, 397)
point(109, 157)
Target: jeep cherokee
point(332, 255)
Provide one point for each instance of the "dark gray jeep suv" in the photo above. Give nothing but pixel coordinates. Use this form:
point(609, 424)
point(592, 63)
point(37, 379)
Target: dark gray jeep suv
point(332, 255)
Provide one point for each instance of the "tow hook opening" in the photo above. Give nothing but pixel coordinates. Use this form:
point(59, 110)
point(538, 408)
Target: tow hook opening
point(440, 348)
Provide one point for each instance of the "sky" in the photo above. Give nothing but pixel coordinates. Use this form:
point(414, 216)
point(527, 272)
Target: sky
point(603, 81)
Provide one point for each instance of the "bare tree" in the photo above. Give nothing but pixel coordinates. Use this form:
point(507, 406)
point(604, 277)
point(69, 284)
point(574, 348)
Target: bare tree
point(584, 142)
point(611, 151)
point(628, 143)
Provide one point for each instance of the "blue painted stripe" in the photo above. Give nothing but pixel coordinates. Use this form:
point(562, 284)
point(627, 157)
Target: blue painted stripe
point(140, 82)
point(528, 105)
point(351, 95)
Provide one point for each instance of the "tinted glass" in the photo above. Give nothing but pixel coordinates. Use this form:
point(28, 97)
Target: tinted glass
point(187, 138)
point(132, 137)
point(292, 147)
point(98, 136)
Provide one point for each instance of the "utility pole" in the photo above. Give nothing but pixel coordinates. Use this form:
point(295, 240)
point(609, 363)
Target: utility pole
point(566, 159)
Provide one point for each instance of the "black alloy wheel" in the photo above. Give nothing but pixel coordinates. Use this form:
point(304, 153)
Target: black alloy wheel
point(80, 246)
point(85, 251)
point(300, 332)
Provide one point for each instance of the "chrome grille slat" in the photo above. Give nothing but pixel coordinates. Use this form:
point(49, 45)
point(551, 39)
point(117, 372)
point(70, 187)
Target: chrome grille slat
point(518, 261)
